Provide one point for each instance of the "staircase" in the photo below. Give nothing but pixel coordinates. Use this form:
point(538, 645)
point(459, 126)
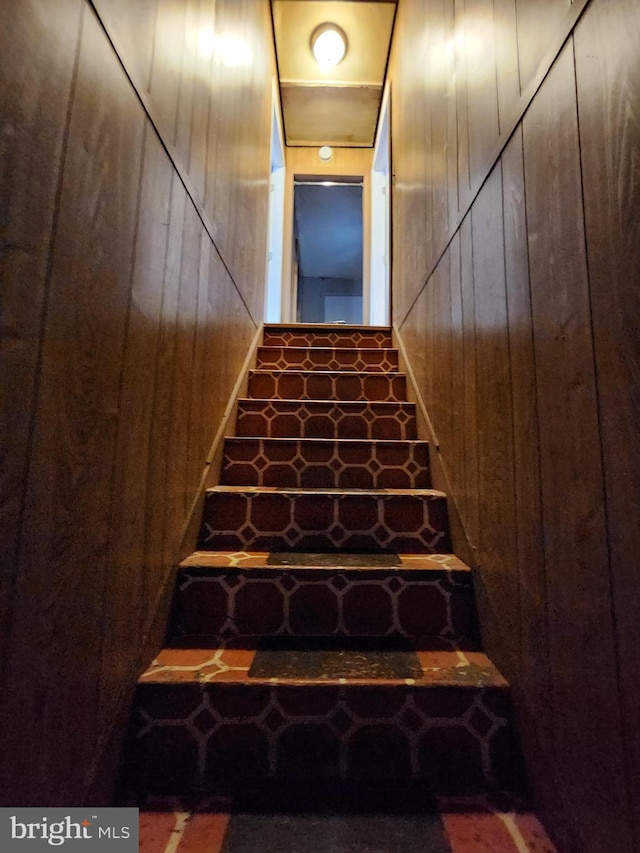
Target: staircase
point(323, 628)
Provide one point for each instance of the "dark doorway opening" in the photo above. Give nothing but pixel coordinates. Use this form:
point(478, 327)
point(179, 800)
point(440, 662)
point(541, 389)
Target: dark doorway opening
point(328, 244)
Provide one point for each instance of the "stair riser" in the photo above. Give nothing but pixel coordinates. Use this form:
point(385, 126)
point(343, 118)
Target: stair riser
point(301, 385)
point(209, 736)
point(298, 603)
point(306, 358)
point(275, 521)
point(331, 420)
point(328, 464)
point(346, 339)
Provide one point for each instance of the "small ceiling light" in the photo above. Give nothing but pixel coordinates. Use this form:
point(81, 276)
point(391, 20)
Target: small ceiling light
point(325, 153)
point(328, 45)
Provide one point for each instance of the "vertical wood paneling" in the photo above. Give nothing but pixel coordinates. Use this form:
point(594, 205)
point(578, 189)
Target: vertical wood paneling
point(608, 80)
point(177, 496)
point(587, 735)
point(482, 91)
point(66, 523)
point(497, 545)
point(170, 37)
point(507, 65)
point(35, 84)
point(113, 298)
point(186, 93)
point(462, 103)
point(159, 544)
point(526, 465)
point(538, 20)
point(411, 164)
point(438, 75)
point(454, 453)
point(134, 25)
point(202, 97)
point(130, 497)
point(469, 499)
point(546, 345)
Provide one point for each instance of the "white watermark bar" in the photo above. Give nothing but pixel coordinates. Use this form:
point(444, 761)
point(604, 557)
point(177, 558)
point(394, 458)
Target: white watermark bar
point(109, 830)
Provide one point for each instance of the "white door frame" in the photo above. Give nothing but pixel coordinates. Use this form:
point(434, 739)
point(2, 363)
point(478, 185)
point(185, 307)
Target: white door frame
point(274, 287)
point(378, 304)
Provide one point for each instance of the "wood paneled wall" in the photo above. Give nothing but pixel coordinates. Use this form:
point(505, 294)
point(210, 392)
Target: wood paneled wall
point(132, 256)
point(516, 151)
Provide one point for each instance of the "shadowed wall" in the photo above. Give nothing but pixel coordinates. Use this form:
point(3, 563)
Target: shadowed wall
point(134, 178)
point(516, 143)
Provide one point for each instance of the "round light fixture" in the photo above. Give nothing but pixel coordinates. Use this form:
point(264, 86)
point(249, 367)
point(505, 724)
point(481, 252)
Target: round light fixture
point(325, 153)
point(328, 45)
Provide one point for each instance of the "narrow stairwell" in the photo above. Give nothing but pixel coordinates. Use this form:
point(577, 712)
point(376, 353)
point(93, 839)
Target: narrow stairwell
point(323, 628)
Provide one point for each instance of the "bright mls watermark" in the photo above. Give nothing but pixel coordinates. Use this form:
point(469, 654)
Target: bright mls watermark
point(103, 830)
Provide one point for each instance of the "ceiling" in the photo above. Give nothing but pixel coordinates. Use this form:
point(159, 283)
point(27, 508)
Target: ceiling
point(339, 106)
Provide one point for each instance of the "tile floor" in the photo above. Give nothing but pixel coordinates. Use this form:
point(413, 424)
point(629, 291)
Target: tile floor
point(326, 817)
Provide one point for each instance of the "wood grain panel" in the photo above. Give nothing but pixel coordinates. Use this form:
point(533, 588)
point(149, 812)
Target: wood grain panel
point(55, 649)
point(497, 544)
point(587, 739)
point(608, 80)
point(452, 115)
point(166, 68)
point(186, 91)
point(129, 496)
point(35, 84)
point(482, 92)
point(134, 25)
point(410, 129)
point(177, 495)
point(526, 460)
point(438, 70)
point(507, 64)
point(440, 362)
point(198, 152)
point(159, 542)
point(454, 452)
point(538, 20)
point(462, 106)
point(468, 496)
point(549, 371)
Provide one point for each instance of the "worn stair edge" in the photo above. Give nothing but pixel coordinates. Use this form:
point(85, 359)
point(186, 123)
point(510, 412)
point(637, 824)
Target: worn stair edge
point(270, 518)
point(200, 721)
point(273, 600)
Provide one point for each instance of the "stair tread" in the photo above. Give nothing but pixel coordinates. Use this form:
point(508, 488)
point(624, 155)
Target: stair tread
point(325, 327)
point(283, 401)
point(283, 439)
point(286, 490)
point(343, 373)
point(256, 560)
point(229, 664)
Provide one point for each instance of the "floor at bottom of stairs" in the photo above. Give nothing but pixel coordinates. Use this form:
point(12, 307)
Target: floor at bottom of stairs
point(267, 816)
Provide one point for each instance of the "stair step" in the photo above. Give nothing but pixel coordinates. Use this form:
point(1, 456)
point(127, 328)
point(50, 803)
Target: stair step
point(326, 419)
point(315, 463)
point(327, 385)
point(303, 335)
point(272, 519)
point(372, 360)
point(322, 595)
point(206, 718)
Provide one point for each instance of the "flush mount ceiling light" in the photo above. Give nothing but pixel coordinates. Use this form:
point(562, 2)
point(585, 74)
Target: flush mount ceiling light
point(325, 153)
point(328, 45)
